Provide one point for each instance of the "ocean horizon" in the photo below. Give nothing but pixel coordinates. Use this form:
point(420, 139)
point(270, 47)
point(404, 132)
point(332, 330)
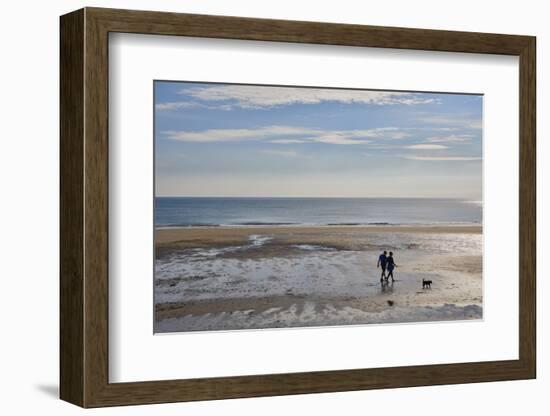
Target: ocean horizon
point(172, 211)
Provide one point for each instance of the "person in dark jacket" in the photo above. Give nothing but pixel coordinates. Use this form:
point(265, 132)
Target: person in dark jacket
point(382, 262)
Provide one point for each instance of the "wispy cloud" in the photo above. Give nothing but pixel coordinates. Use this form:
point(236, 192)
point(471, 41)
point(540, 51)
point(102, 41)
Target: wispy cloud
point(287, 141)
point(221, 135)
point(340, 138)
point(286, 135)
point(261, 97)
point(454, 138)
point(426, 146)
point(283, 153)
point(465, 121)
point(178, 105)
point(442, 158)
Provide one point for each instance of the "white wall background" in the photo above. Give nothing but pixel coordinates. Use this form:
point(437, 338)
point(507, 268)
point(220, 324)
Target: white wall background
point(29, 207)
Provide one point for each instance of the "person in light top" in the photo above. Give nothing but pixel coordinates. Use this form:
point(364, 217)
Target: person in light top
point(390, 265)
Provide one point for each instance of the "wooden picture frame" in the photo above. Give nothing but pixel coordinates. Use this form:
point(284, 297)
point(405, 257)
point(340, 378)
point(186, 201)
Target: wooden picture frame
point(84, 207)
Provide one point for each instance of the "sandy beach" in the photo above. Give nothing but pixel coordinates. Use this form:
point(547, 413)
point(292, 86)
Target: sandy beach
point(249, 277)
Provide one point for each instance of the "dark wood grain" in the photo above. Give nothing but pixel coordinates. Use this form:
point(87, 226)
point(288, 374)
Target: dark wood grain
point(71, 100)
point(96, 219)
point(527, 208)
point(225, 27)
point(84, 207)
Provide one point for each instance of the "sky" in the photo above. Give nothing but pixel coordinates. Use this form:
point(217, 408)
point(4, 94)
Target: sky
point(214, 139)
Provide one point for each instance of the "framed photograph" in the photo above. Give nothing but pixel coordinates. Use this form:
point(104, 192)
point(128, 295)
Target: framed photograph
point(255, 207)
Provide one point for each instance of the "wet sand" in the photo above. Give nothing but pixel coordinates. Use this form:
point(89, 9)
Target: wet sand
point(212, 278)
point(207, 236)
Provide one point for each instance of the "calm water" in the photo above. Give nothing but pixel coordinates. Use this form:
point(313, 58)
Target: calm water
point(185, 211)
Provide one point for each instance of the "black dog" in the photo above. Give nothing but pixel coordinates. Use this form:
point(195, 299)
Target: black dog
point(426, 284)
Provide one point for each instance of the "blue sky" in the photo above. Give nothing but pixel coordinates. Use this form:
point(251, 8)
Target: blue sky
point(247, 140)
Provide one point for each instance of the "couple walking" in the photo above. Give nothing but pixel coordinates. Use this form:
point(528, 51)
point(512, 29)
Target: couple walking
point(386, 262)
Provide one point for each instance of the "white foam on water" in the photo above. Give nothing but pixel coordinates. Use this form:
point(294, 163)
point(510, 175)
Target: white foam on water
point(255, 241)
point(258, 240)
point(312, 247)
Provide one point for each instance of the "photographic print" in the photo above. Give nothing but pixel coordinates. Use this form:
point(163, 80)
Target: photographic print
point(290, 206)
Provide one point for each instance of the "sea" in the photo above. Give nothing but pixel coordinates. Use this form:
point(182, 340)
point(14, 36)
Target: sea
point(252, 211)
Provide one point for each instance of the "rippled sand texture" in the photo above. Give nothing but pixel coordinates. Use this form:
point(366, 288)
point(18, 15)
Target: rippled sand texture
point(227, 278)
